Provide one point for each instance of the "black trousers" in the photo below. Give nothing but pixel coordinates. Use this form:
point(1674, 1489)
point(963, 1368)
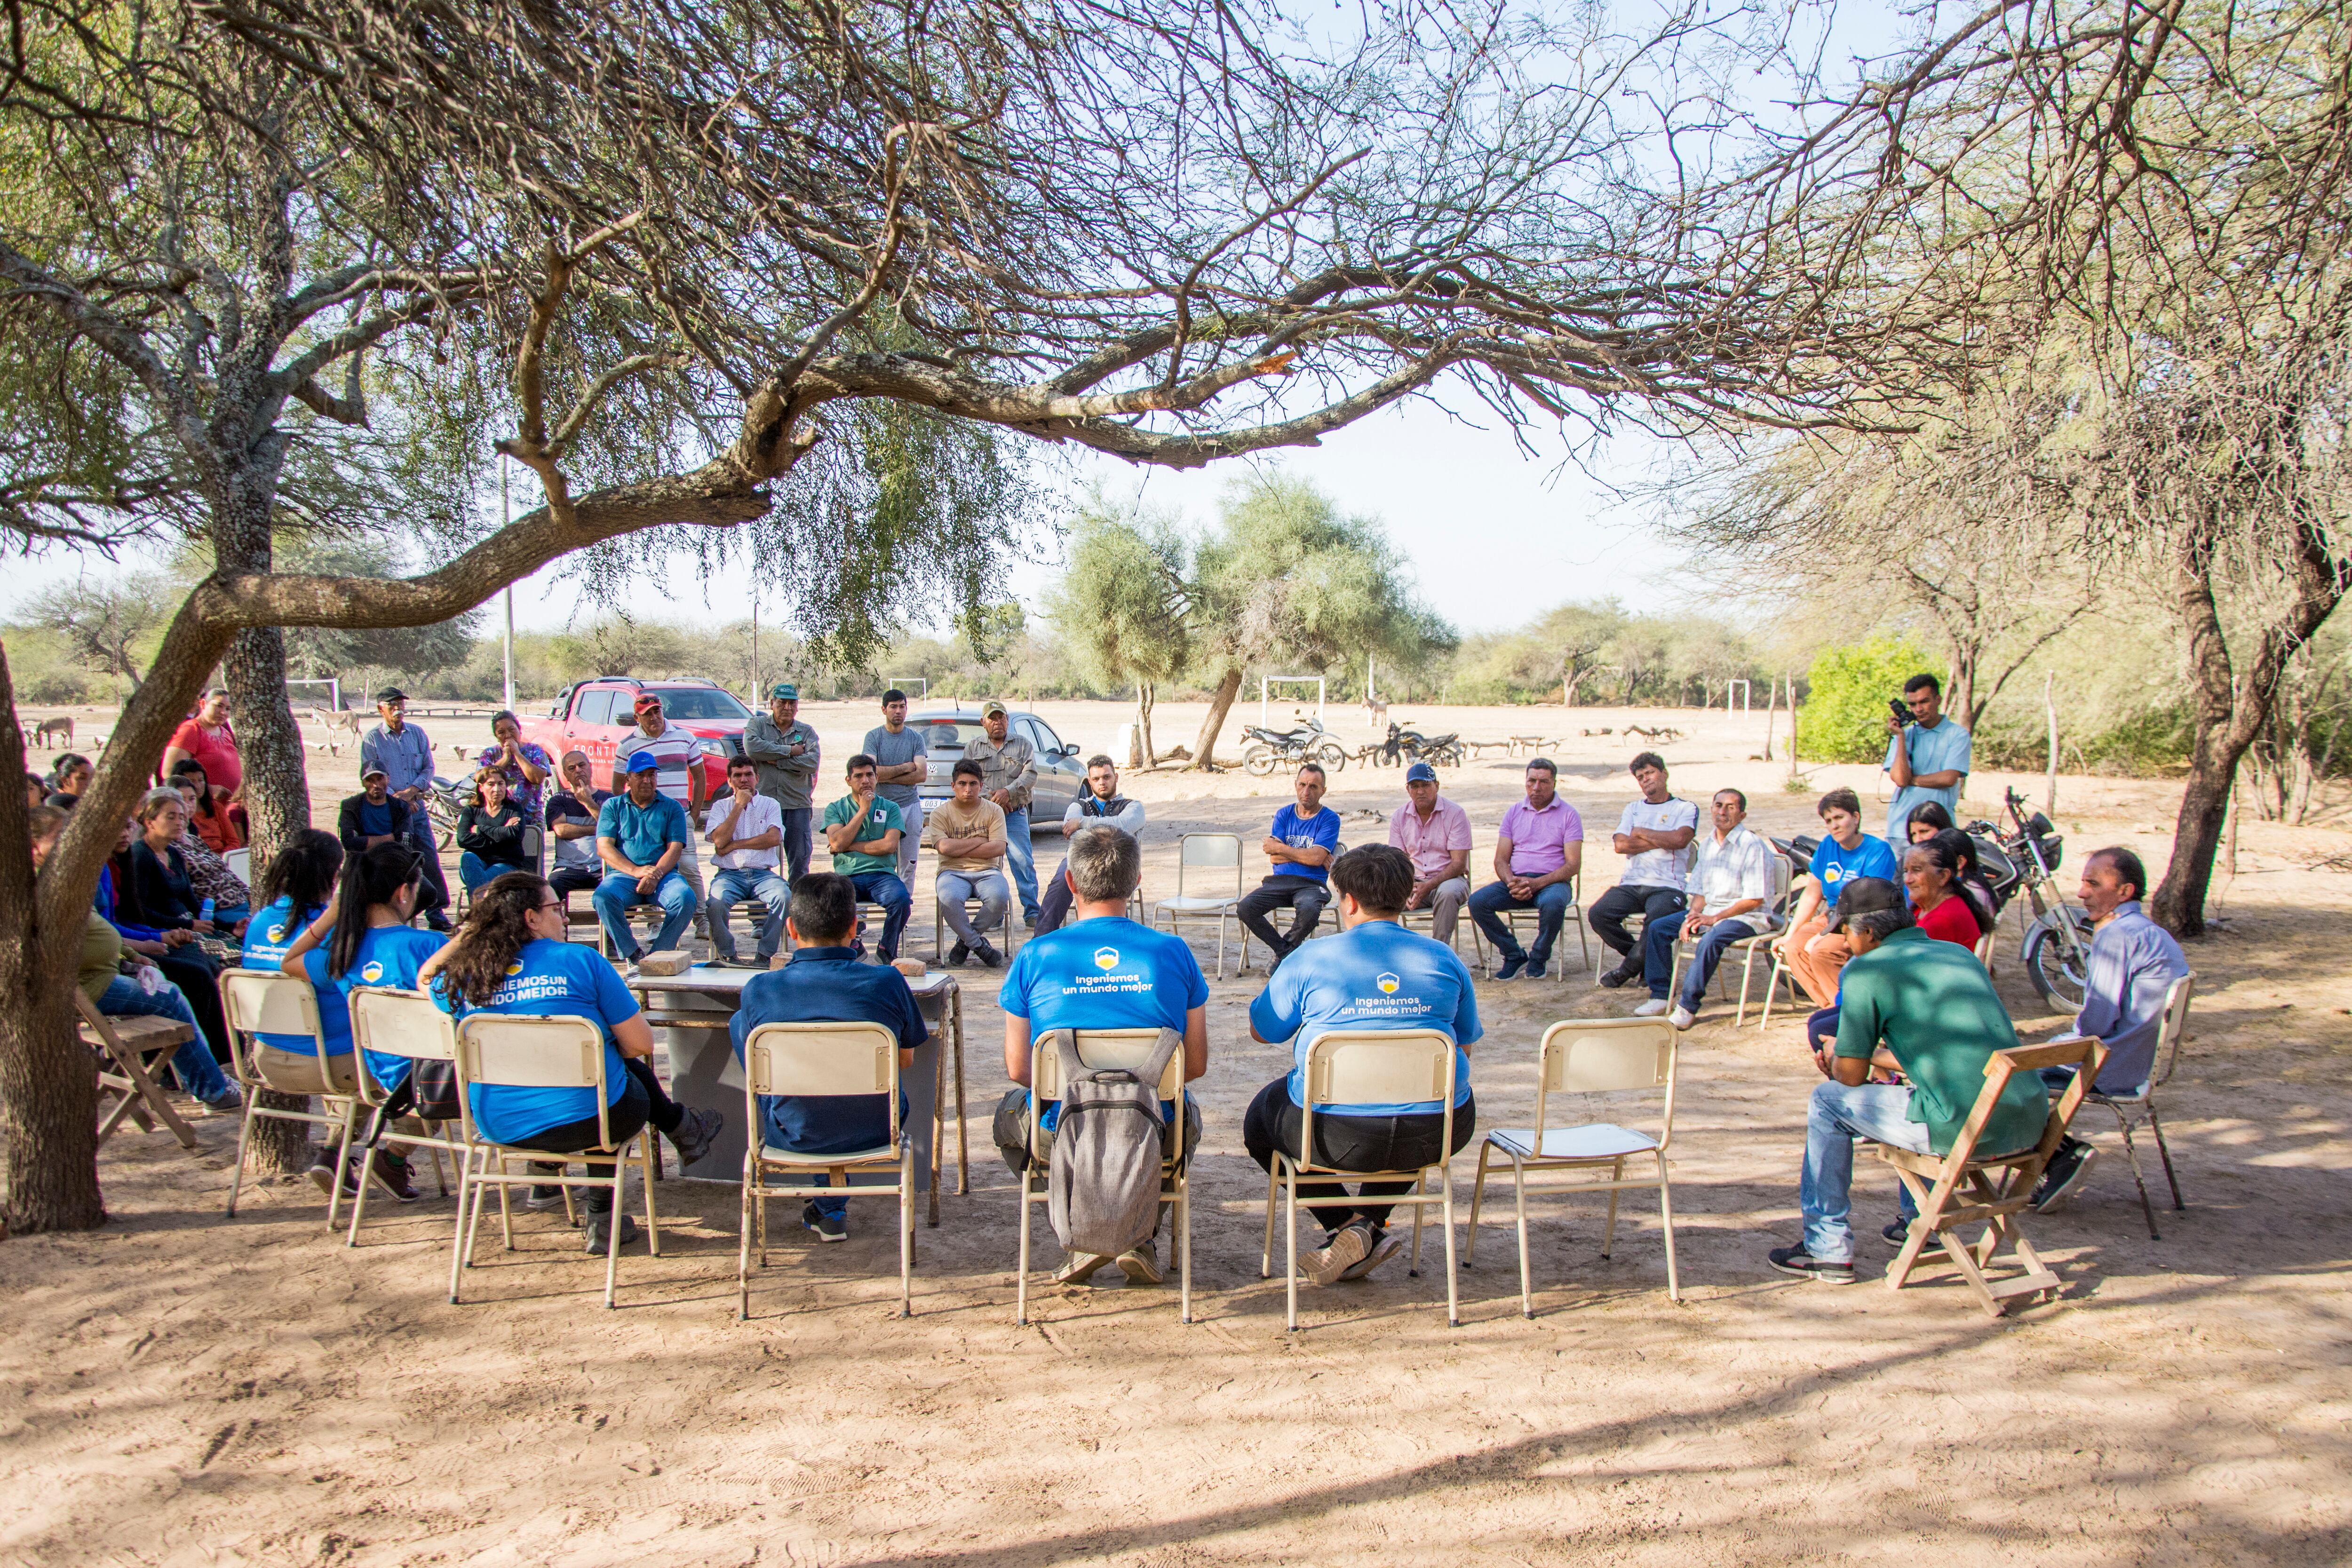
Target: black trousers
point(1303, 896)
point(1352, 1143)
point(199, 981)
point(644, 1100)
point(569, 879)
point(1610, 909)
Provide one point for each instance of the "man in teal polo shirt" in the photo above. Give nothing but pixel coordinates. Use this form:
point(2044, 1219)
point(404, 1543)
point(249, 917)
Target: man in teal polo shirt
point(862, 831)
point(1926, 1009)
point(640, 836)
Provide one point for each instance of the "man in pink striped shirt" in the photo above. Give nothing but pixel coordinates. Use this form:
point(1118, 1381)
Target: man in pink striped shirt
point(1434, 834)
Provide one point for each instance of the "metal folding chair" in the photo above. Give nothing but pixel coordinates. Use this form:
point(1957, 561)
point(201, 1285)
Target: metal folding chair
point(2130, 1107)
point(1210, 852)
point(260, 1002)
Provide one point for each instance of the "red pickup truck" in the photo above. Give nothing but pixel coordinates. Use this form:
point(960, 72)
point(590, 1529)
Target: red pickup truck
point(595, 716)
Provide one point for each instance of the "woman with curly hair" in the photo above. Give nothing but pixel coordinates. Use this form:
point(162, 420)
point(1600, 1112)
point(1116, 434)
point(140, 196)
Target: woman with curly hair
point(509, 956)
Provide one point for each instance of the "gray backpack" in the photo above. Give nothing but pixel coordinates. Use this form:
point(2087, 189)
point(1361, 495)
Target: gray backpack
point(1103, 1178)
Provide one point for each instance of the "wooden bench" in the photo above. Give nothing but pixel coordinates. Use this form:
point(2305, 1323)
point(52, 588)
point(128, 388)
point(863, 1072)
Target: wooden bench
point(126, 1089)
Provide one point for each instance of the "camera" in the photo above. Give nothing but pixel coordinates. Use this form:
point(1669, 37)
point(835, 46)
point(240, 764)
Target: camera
point(1902, 712)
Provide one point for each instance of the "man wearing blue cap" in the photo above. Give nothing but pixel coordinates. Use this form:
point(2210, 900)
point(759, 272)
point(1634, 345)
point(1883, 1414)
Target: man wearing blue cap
point(641, 835)
point(1434, 834)
point(785, 751)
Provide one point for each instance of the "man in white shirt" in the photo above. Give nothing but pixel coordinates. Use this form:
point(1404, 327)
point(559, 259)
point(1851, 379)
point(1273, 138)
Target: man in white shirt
point(1730, 898)
point(746, 830)
point(1655, 836)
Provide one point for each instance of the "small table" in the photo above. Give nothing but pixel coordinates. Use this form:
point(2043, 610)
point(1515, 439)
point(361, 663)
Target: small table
point(691, 1013)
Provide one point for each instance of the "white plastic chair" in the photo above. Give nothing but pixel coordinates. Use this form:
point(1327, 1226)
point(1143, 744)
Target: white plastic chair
point(395, 1022)
point(856, 1059)
point(1209, 852)
point(2130, 1107)
point(560, 1051)
point(1589, 1055)
point(240, 863)
point(1369, 1067)
point(1532, 920)
point(260, 1002)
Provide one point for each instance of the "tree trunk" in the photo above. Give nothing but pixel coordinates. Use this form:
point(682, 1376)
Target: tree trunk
point(1144, 696)
point(1220, 704)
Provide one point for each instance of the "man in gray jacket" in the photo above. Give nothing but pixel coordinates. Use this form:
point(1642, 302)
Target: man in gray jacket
point(1100, 803)
point(785, 751)
point(1008, 765)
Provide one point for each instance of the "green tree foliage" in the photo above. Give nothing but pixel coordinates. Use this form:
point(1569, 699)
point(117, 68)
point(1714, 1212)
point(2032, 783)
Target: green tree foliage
point(1843, 717)
point(108, 626)
point(1124, 608)
point(1602, 653)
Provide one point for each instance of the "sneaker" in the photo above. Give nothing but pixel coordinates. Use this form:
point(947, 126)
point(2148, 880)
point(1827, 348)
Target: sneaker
point(227, 1102)
point(390, 1171)
point(856, 950)
point(1142, 1264)
point(1897, 1232)
point(322, 1171)
point(1029, 918)
point(1386, 1248)
point(597, 1226)
point(990, 958)
point(1078, 1268)
point(957, 955)
point(1795, 1260)
point(1536, 968)
point(1655, 1007)
point(1341, 1251)
point(697, 1132)
point(546, 1197)
point(1619, 975)
point(827, 1227)
point(1683, 1017)
point(1513, 962)
point(2063, 1174)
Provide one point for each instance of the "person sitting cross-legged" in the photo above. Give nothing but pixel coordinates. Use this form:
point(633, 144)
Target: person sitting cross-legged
point(1730, 894)
point(1374, 975)
point(824, 984)
point(1299, 848)
point(1655, 836)
point(1101, 971)
point(746, 829)
point(641, 837)
point(1811, 950)
point(967, 834)
point(862, 831)
point(1537, 860)
point(1913, 1005)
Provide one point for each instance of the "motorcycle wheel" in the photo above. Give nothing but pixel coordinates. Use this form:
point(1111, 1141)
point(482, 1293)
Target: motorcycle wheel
point(1330, 755)
point(1257, 761)
point(2060, 980)
point(443, 818)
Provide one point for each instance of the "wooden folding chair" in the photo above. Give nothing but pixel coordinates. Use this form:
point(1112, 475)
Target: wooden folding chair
point(1369, 1067)
point(260, 1002)
point(823, 1060)
point(1590, 1056)
point(557, 1051)
point(1097, 1049)
point(1213, 852)
point(2130, 1107)
point(134, 1045)
point(1962, 1187)
point(395, 1023)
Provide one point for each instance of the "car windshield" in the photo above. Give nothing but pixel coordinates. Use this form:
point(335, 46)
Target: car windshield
point(948, 734)
point(691, 703)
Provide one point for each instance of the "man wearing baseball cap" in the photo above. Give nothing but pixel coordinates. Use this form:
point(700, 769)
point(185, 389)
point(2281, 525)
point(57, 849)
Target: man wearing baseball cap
point(1008, 769)
point(1434, 834)
point(641, 837)
point(404, 753)
point(374, 816)
point(784, 750)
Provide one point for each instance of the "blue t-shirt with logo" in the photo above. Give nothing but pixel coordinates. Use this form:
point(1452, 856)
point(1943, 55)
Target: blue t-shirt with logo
point(1377, 975)
point(1833, 867)
point(548, 978)
point(1320, 831)
point(826, 986)
point(389, 956)
point(1108, 973)
point(267, 938)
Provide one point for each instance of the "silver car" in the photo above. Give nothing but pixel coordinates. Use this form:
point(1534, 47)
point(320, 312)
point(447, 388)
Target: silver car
point(1061, 771)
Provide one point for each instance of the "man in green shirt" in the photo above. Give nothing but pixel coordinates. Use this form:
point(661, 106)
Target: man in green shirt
point(863, 830)
point(1912, 1005)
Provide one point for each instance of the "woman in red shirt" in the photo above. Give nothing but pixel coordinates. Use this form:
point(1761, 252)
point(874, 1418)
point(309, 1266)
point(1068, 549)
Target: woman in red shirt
point(206, 737)
point(1931, 872)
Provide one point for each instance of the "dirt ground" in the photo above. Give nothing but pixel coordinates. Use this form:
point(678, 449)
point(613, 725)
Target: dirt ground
point(187, 1389)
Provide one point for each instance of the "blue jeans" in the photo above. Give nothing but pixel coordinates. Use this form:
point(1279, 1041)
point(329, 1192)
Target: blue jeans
point(954, 887)
point(885, 888)
point(473, 870)
point(193, 1062)
point(1838, 1115)
point(1550, 905)
point(732, 886)
point(859, 1132)
point(796, 842)
point(435, 904)
point(617, 894)
point(1658, 939)
point(1020, 859)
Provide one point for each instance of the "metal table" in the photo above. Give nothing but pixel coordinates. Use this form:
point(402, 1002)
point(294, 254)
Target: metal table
point(690, 1014)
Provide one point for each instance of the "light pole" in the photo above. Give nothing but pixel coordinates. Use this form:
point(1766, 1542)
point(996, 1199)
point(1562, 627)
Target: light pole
point(504, 518)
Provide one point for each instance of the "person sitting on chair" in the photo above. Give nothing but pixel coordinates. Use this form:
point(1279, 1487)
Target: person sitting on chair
point(1655, 836)
point(1913, 1005)
point(746, 829)
point(1102, 970)
point(967, 834)
point(1299, 848)
point(1813, 952)
point(72, 775)
point(1931, 876)
point(1434, 834)
point(491, 833)
point(862, 831)
point(641, 837)
point(1731, 893)
point(571, 813)
point(825, 984)
point(1098, 801)
point(1374, 975)
point(2133, 962)
point(1537, 858)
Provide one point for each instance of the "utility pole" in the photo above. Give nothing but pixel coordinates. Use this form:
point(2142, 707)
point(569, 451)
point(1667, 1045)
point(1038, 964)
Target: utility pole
point(505, 517)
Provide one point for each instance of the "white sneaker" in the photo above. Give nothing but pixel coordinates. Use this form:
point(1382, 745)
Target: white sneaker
point(1684, 1018)
point(1652, 1008)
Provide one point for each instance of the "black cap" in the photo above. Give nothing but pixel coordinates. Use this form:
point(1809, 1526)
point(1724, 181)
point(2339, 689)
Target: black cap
point(390, 694)
point(1865, 896)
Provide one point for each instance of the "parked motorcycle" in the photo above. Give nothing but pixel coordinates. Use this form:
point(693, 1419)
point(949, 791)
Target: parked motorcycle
point(1404, 746)
point(2057, 946)
point(1267, 750)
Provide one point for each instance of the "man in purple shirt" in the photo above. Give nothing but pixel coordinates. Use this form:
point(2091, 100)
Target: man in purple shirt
point(1536, 858)
point(1434, 834)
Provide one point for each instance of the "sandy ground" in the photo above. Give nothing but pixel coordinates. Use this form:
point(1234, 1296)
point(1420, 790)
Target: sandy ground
point(187, 1389)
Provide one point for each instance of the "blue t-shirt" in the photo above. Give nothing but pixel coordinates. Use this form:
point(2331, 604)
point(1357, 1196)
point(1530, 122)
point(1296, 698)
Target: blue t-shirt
point(642, 833)
point(1103, 974)
point(389, 956)
point(1321, 831)
point(1833, 867)
point(1932, 752)
point(267, 938)
point(545, 979)
point(826, 986)
point(375, 817)
point(1378, 976)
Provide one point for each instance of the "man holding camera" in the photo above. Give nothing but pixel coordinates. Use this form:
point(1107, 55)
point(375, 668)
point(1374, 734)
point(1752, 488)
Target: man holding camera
point(1926, 757)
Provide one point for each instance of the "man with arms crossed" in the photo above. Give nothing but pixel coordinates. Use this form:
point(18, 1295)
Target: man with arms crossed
point(1008, 775)
point(1434, 834)
point(1926, 759)
point(1813, 952)
point(746, 830)
point(901, 762)
point(402, 751)
point(862, 831)
point(1102, 970)
point(1653, 835)
point(786, 750)
point(967, 833)
point(571, 813)
point(1100, 802)
point(1537, 860)
point(1300, 846)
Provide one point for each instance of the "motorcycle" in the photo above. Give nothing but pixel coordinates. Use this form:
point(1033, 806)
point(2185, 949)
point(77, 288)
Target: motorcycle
point(1269, 749)
point(2057, 946)
point(1403, 746)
